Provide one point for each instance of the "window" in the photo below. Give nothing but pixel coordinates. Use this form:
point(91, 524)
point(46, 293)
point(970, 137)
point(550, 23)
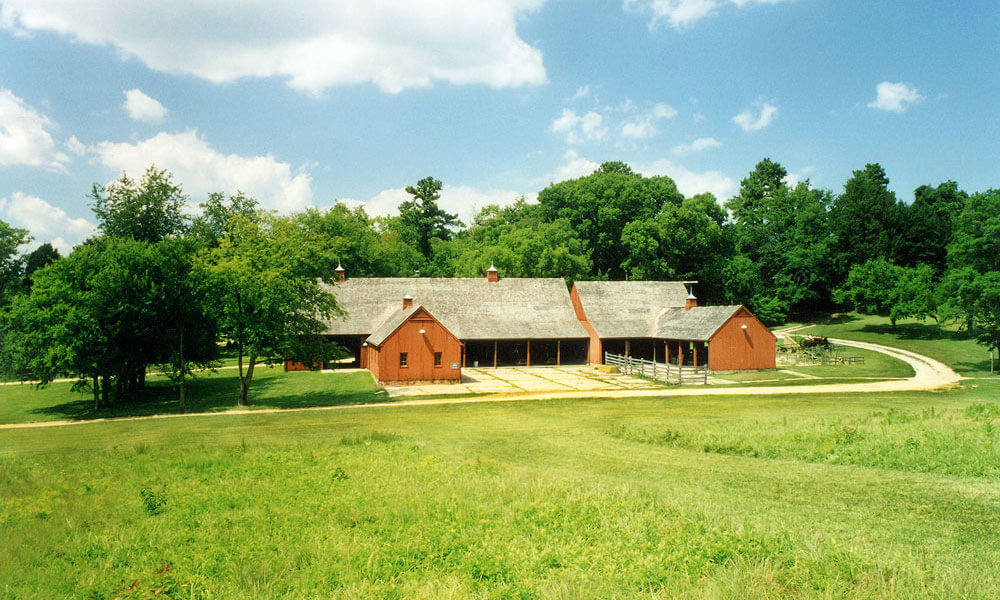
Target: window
point(437, 359)
point(402, 359)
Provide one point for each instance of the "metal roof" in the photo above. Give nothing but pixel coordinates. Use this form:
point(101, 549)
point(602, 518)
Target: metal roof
point(628, 309)
point(471, 308)
point(698, 324)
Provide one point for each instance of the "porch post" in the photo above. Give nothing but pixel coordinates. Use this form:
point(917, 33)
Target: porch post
point(666, 351)
point(626, 347)
point(694, 346)
point(494, 354)
point(558, 353)
point(529, 354)
point(680, 354)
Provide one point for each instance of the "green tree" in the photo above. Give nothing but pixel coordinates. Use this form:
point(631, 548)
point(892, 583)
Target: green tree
point(976, 237)
point(785, 233)
point(600, 205)
point(148, 211)
point(11, 261)
point(38, 259)
point(217, 212)
point(263, 289)
point(866, 220)
point(421, 219)
point(870, 286)
point(913, 296)
point(681, 242)
point(928, 223)
point(519, 243)
point(986, 309)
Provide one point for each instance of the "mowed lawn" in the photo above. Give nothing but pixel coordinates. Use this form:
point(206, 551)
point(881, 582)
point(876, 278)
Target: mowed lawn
point(207, 392)
point(811, 496)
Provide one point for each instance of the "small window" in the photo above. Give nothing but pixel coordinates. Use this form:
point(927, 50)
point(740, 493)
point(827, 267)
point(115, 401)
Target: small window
point(437, 359)
point(402, 359)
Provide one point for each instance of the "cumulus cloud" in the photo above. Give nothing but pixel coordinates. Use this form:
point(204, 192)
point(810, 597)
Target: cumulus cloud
point(681, 13)
point(573, 166)
point(697, 145)
point(895, 97)
point(141, 107)
point(578, 128)
point(644, 127)
point(201, 169)
point(25, 137)
point(748, 121)
point(313, 44)
point(465, 201)
point(690, 182)
point(47, 223)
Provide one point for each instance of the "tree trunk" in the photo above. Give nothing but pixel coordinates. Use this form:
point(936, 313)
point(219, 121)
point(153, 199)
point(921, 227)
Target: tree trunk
point(105, 388)
point(182, 371)
point(97, 392)
point(245, 381)
point(142, 377)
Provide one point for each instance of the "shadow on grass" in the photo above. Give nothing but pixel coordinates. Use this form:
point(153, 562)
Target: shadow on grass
point(838, 319)
point(915, 331)
point(218, 393)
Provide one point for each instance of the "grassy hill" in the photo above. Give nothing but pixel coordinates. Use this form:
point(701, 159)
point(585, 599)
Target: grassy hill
point(833, 496)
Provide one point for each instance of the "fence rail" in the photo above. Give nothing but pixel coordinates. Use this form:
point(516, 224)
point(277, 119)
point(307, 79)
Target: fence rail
point(667, 372)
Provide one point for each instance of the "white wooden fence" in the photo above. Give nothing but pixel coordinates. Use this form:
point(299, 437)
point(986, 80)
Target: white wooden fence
point(667, 372)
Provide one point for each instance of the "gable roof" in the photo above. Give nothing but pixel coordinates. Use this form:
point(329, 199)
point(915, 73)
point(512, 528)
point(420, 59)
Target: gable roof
point(698, 324)
point(628, 309)
point(394, 321)
point(470, 308)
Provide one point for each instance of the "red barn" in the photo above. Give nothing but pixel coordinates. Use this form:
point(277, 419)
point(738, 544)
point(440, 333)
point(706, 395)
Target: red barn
point(480, 321)
point(661, 321)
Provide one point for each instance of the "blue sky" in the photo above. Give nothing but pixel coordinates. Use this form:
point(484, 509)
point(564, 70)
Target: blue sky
point(312, 102)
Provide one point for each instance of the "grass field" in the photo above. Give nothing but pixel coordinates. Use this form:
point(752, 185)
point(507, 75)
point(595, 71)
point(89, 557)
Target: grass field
point(814, 496)
point(208, 392)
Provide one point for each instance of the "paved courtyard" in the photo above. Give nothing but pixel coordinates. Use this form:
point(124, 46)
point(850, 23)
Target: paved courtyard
point(525, 379)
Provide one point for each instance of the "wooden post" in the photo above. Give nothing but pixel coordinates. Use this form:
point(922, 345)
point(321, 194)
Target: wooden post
point(528, 362)
point(666, 351)
point(680, 354)
point(627, 353)
point(463, 356)
point(558, 353)
point(694, 347)
point(654, 352)
point(494, 354)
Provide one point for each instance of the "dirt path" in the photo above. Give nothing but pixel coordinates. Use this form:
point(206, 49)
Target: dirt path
point(929, 374)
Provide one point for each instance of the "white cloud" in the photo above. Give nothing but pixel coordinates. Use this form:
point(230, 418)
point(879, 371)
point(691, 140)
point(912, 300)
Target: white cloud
point(749, 122)
point(314, 45)
point(681, 13)
point(794, 179)
point(581, 93)
point(465, 201)
point(76, 146)
point(25, 137)
point(697, 145)
point(201, 169)
point(689, 182)
point(578, 128)
point(895, 97)
point(644, 127)
point(47, 223)
point(573, 166)
point(141, 107)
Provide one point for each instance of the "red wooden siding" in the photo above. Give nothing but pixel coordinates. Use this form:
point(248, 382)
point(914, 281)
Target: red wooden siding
point(594, 354)
point(733, 348)
point(420, 348)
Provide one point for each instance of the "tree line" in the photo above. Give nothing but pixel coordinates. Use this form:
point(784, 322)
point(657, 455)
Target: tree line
point(159, 287)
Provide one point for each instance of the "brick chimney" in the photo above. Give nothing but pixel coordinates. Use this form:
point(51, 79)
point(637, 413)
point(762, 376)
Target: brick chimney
point(491, 274)
point(407, 301)
point(690, 302)
point(341, 274)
